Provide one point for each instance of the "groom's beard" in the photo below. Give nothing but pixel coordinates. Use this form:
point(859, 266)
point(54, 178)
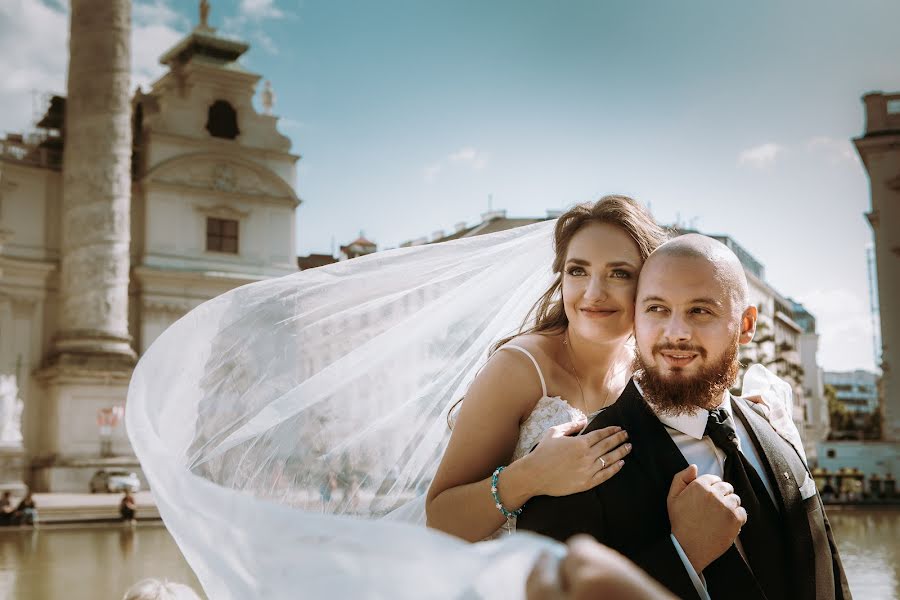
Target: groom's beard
point(678, 394)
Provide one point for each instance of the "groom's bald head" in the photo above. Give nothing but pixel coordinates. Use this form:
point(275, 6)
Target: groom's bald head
point(726, 267)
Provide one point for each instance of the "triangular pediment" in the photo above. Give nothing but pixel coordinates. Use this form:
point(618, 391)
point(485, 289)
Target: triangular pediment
point(221, 174)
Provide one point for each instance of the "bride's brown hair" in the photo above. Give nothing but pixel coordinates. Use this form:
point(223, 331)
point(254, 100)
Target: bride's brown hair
point(548, 314)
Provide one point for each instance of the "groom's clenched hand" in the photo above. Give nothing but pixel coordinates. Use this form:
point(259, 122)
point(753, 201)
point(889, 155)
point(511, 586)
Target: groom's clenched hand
point(706, 515)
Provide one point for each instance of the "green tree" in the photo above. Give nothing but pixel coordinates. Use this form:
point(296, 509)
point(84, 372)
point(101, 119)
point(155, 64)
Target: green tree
point(839, 417)
point(872, 426)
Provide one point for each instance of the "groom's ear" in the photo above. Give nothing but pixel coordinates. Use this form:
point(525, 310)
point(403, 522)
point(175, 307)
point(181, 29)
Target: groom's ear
point(748, 325)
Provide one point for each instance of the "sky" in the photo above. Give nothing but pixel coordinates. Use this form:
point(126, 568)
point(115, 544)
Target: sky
point(414, 115)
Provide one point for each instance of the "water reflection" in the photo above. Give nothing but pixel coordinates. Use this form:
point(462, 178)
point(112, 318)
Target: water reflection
point(869, 542)
point(82, 563)
point(101, 562)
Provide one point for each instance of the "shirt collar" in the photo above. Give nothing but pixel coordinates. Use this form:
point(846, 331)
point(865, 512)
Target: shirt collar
point(692, 423)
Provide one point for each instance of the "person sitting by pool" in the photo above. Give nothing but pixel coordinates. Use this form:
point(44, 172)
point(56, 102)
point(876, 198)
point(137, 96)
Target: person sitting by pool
point(6, 508)
point(128, 507)
point(26, 512)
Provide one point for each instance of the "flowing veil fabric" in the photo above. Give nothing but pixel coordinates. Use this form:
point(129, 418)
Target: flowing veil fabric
point(290, 428)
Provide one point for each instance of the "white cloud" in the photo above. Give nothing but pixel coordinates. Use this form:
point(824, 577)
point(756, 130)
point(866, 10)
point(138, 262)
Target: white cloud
point(260, 9)
point(34, 52)
point(148, 43)
point(155, 12)
point(466, 156)
point(33, 58)
point(470, 156)
point(266, 42)
point(844, 323)
point(249, 22)
point(761, 156)
point(834, 150)
point(156, 27)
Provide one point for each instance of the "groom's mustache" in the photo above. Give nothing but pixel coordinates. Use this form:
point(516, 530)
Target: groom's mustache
point(657, 348)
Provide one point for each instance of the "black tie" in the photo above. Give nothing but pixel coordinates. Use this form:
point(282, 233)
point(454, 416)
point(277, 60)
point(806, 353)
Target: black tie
point(761, 536)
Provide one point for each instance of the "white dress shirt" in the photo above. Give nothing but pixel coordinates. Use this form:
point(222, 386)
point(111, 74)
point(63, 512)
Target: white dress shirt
point(686, 430)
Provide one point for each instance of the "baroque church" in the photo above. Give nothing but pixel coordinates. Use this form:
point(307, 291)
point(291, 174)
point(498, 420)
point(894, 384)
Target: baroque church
point(122, 213)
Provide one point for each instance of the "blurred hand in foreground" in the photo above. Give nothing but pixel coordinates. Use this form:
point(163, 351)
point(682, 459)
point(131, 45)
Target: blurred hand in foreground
point(589, 571)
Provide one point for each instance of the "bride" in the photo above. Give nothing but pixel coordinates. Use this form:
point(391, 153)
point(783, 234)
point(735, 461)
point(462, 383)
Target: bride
point(569, 365)
point(342, 379)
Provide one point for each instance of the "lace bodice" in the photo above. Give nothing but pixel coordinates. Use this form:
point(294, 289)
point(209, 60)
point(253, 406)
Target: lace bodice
point(549, 411)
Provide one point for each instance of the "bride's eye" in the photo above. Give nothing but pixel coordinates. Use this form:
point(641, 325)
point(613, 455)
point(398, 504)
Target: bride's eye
point(576, 271)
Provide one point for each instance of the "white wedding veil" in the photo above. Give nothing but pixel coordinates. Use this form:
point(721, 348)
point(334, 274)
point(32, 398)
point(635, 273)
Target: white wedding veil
point(279, 423)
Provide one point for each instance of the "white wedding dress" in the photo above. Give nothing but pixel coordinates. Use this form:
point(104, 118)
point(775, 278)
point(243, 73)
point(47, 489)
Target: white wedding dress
point(244, 407)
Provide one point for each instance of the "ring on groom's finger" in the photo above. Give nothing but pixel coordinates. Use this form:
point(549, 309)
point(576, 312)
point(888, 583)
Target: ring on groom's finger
point(602, 463)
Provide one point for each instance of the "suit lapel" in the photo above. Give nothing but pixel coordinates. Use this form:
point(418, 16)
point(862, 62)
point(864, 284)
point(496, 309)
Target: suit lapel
point(775, 454)
point(771, 449)
point(652, 446)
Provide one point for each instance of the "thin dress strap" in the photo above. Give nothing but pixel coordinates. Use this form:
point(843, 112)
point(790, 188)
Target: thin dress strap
point(533, 360)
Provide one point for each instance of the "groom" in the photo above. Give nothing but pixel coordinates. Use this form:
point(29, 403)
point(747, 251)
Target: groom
point(751, 525)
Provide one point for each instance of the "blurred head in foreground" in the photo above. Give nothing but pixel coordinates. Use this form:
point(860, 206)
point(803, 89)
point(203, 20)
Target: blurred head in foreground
point(154, 589)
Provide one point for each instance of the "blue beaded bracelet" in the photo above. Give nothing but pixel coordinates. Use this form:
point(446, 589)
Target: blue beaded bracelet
point(509, 514)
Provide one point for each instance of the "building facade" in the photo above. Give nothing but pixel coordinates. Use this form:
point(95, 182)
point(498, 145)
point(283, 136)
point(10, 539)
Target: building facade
point(205, 203)
point(856, 390)
point(870, 457)
point(879, 149)
point(817, 420)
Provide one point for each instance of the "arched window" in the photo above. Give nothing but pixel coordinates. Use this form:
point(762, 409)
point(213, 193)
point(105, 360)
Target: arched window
point(222, 121)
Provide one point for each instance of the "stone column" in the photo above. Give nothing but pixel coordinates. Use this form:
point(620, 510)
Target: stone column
point(90, 363)
point(93, 316)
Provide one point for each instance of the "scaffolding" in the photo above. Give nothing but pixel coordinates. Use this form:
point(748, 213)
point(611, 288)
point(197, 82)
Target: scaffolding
point(872, 272)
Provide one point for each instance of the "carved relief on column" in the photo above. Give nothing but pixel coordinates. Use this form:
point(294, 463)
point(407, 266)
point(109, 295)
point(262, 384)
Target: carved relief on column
point(97, 181)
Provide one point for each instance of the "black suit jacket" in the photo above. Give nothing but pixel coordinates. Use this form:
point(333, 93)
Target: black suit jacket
point(629, 514)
